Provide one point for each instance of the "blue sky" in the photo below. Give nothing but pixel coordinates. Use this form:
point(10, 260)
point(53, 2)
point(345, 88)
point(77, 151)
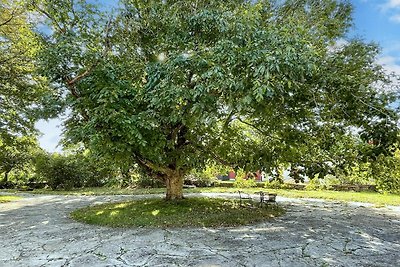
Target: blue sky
point(379, 21)
point(374, 21)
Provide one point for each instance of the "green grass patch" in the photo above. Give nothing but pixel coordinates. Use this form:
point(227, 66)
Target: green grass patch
point(347, 196)
point(100, 191)
point(4, 199)
point(190, 212)
point(376, 198)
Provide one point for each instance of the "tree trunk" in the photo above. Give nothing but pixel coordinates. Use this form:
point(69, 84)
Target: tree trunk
point(5, 179)
point(174, 183)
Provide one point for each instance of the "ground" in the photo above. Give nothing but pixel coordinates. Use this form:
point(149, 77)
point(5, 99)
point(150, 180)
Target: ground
point(37, 231)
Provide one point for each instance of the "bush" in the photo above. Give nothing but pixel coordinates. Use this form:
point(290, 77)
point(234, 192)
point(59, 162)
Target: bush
point(386, 173)
point(7, 185)
point(329, 182)
point(383, 172)
point(314, 184)
point(60, 172)
point(206, 177)
point(199, 180)
point(72, 171)
point(225, 184)
point(360, 174)
point(145, 181)
point(274, 184)
point(242, 183)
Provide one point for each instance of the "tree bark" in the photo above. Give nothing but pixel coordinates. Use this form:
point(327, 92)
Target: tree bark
point(5, 179)
point(174, 183)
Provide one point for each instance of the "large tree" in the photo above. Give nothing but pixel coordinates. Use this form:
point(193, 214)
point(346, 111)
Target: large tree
point(174, 84)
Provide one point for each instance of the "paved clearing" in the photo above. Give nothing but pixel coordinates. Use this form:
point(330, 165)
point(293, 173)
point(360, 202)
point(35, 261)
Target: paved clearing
point(36, 231)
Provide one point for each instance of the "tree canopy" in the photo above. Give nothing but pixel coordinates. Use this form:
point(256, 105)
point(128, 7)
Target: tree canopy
point(172, 85)
point(15, 154)
point(24, 94)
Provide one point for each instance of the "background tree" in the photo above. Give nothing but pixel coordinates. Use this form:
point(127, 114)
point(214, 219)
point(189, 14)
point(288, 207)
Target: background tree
point(172, 85)
point(24, 95)
point(75, 169)
point(15, 154)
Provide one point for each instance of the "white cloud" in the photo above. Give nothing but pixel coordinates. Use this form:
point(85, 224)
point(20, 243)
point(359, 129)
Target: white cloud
point(341, 42)
point(392, 8)
point(338, 45)
point(390, 64)
point(391, 4)
point(395, 18)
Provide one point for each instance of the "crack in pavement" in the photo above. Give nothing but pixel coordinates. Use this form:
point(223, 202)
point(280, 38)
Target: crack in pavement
point(303, 250)
point(37, 231)
point(121, 253)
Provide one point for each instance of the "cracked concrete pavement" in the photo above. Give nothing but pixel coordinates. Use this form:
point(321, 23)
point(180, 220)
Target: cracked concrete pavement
point(37, 231)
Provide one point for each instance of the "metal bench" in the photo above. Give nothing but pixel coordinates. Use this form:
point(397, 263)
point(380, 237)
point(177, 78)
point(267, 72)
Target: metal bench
point(244, 196)
point(266, 197)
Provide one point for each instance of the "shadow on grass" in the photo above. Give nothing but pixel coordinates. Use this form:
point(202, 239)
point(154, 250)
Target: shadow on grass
point(190, 212)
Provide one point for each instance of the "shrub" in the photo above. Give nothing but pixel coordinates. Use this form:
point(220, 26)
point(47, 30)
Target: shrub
point(145, 181)
point(274, 184)
point(7, 185)
point(225, 184)
point(383, 171)
point(329, 182)
point(386, 173)
point(206, 177)
point(242, 183)
point(59, 172)
point(360, 174)
point(314, 184)
point(71, 171)
point(197, 180)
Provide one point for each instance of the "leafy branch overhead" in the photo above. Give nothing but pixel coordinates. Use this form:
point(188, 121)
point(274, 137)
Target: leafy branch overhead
point(25, 95)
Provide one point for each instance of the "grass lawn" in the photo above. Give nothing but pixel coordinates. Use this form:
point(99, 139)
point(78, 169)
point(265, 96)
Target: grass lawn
point(4, 199)
point(190, 212)
point(99, 191)
point(367, 197)
point(346, 196)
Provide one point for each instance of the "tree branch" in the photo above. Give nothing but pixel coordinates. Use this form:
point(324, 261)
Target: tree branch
point(71, 83)
point(371, 106)
point(47, 14)
point(88, 71)
point(75, 17)
point(9, 19)
point(214, 156)
point(229, 118)
point(259, 130)
point(150, 172)
point(154, 167)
